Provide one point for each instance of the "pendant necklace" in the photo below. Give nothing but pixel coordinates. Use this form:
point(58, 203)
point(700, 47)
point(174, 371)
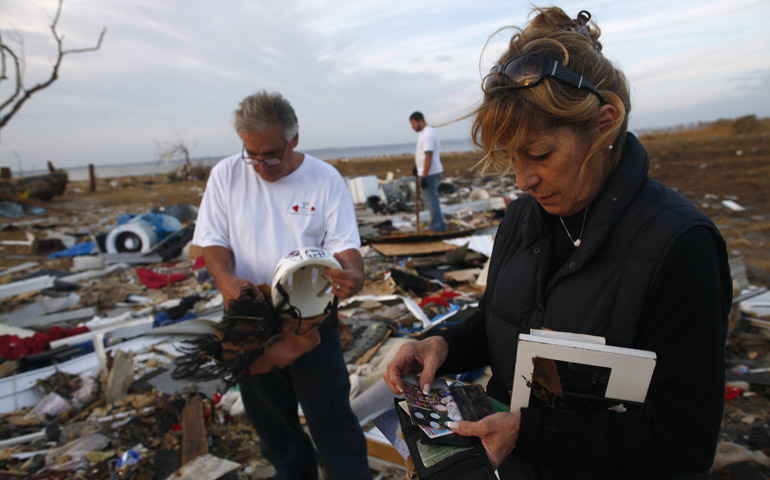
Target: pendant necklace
point(579, 240)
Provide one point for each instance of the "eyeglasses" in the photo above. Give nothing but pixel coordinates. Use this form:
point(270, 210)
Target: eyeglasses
point(248, 157)
point(525, 71)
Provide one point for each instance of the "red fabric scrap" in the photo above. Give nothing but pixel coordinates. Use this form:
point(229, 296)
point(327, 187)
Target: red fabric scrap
point(199, 263)
point(441, 300)
point(732, 392)
point(151, 279)
point(12, 347)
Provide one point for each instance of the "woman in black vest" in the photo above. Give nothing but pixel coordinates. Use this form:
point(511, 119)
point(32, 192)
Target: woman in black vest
point(595, 247)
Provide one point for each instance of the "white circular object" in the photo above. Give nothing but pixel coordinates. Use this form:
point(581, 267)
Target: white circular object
point(300, 273)
point(479, 194)
point(131, 237)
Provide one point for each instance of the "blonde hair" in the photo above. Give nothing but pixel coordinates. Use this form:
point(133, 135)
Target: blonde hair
point(508, 116)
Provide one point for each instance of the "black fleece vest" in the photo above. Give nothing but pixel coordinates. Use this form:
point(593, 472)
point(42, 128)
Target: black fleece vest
point(603, 286)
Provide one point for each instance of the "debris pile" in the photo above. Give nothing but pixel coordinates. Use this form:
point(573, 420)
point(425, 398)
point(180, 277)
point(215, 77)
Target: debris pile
point(91, 337)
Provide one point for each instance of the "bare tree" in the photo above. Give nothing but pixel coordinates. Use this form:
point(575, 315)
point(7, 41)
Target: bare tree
point(12, 64)
point(170, 150)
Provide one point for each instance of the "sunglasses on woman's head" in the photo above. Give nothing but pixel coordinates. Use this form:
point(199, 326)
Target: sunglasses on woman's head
point(525, 71)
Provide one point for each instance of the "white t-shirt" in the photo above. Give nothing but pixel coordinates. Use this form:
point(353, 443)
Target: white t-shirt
point(428, 141)
point(261, 221)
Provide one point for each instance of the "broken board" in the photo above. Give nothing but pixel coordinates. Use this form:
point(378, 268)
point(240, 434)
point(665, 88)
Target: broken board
point(463, 276)
point(415, 248)
point(428, 235)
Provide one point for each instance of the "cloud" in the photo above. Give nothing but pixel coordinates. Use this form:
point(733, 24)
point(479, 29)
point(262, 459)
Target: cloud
point(353, 70)
point(750, 96)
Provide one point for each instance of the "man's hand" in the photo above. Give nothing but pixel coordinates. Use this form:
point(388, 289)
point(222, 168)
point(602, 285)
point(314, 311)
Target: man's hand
point(232, 287)
point(349, 280)
point(219, 262)
point(423, 182)
point(498, 433)
point(414, 357)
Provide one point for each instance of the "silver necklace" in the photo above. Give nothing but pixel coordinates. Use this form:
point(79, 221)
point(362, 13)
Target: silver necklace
point(577, 242)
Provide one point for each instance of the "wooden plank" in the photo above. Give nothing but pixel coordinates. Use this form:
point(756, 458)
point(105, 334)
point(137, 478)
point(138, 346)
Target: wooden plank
point(422, 236)
point(131, 258)
point(92, 274)
point(18, 268)
point(194, 442)
point(414, 248)
point(24, 286)
point(60, 317)
point(383, 451)
point(467, 275)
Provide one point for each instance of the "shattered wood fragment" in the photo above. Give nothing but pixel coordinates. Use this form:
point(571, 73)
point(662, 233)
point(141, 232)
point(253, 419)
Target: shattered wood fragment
point(121, 375)
point(206, 467)
point(194, 442)
point(8, 368)
point(415, 248)
point(410, 281)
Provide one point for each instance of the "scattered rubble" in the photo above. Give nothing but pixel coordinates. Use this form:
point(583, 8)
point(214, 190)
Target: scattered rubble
point(90, 336)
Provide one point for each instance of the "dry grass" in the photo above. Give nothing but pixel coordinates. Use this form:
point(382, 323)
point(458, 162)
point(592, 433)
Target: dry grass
point(704, 130)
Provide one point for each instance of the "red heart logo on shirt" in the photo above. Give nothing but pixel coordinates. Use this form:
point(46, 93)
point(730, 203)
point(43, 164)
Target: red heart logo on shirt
point(295, 208)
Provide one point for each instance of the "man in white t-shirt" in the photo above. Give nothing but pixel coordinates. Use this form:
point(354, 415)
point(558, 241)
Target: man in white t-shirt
point(427, 160)
point(259, 205)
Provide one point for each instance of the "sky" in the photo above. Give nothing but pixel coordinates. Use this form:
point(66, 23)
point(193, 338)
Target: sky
point(354, 70)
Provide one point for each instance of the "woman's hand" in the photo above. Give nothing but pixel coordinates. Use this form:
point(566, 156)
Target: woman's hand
point(498, 433)
point(414, 357)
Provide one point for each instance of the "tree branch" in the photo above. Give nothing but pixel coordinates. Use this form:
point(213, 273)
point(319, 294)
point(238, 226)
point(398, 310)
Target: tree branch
point(21, 94)
point(5, 50)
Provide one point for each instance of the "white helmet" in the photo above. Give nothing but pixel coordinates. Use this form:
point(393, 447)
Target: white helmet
point(299, 274)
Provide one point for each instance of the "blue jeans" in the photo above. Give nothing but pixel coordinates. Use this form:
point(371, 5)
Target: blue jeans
point(319, 381)
point(430, 197)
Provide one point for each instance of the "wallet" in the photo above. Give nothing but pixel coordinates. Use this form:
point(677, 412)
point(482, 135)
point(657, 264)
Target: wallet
point(450, 457)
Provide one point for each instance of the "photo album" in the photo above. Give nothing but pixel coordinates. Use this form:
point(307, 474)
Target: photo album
point(576, 372)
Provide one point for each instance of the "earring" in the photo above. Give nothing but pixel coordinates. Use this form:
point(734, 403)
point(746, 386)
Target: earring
point(610, 147)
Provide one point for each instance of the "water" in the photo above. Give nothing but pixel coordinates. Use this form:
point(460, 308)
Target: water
point(155, 168)
point(452, 145)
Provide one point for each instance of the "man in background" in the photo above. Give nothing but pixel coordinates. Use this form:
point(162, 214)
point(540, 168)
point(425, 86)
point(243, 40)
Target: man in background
point(260, 204)
point(427, 159)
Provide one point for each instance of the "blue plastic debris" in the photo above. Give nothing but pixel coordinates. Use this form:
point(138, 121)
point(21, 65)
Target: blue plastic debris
point(162, 224)
point(128, 459)
point(11, 209)
point(85, 248)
